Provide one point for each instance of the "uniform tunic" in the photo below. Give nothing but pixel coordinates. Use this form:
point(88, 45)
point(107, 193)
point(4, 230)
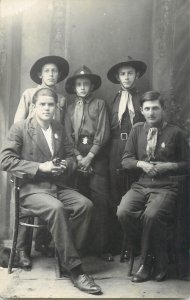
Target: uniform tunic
point(150, 204)
point(93, 137)
point(117, 144)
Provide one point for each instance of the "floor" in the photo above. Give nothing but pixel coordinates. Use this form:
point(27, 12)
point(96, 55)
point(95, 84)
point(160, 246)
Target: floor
point(41, 282)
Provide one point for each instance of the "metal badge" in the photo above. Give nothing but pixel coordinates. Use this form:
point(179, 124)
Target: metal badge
point(85, 140)
point(163, 145)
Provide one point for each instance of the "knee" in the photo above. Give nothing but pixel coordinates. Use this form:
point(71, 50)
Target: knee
point(122, 211)
point(56, 208)
point(85, 205)
point(151, 215)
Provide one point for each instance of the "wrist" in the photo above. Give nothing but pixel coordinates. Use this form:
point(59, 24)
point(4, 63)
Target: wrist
point(139, 164)
point(90, 155)
point(79, 157)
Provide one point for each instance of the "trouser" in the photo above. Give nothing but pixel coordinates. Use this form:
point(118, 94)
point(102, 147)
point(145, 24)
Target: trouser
point(96, 188)
point(147, 209)
point(67, 218)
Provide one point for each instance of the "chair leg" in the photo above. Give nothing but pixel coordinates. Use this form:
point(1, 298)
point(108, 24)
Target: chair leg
point(123, 249)
point(14, 244)
point(57, 265)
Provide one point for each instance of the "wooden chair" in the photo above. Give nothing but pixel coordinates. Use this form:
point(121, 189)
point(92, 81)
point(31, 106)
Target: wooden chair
point(178, 238)
point(19, 215)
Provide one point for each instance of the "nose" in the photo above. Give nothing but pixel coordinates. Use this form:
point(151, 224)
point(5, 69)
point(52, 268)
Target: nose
point(46, 107)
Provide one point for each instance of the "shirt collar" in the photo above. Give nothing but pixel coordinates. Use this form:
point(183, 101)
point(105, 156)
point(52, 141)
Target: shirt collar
point(87, 99)
point(160, 127)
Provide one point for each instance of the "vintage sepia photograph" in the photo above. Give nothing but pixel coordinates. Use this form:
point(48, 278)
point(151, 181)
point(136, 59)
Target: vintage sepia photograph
point(94, 149)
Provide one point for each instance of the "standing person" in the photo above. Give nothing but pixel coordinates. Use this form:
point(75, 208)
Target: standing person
point(160, 151)
point(47, 71)
point(30, 147)
point(88, 127)
point(125, 111)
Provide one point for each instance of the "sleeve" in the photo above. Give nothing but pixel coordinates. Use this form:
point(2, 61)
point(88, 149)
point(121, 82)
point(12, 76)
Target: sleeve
point(182, 152)
point(69, 154)
point(69, 131)
point(102, 134)
point(129, 159)
point(23, 108)
point(10, 157)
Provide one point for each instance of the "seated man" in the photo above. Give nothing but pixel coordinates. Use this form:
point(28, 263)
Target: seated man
point(159, 150)
point(30, 147)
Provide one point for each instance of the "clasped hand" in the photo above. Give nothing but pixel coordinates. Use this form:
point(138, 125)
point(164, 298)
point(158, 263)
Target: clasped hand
point(50, 167)
point(154, 168)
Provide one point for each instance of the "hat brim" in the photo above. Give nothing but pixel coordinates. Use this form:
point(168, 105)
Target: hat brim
point(138, 65)
point(60, 62)
point(70, 83)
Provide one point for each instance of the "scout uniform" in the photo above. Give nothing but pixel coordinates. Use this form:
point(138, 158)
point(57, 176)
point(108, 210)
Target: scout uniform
point(88, 128)
point(25, 107)
point(150, 204)
point(121, 122)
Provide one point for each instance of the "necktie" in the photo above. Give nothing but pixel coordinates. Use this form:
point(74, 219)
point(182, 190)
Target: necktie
point(126, 101)
point(151, 142)
point(78, 116)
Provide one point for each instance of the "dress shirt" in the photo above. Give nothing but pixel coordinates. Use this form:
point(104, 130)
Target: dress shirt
point(49, 138)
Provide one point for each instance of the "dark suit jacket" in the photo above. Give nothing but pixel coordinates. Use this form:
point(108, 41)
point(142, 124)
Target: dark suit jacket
point(26, 147)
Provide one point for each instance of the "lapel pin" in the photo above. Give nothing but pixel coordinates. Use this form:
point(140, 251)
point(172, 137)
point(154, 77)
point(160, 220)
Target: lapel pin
point(163, 145)
point(56, 136)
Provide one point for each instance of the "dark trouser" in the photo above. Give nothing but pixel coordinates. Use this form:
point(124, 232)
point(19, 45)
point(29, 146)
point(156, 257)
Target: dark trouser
point(96, 188)
point(149, 207)
point(117, 190)
point(67, 217)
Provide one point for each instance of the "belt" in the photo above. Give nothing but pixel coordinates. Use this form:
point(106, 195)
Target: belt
point(122, 136)
point(86, 139)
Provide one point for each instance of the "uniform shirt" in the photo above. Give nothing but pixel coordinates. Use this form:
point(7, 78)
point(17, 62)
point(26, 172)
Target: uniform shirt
point(95, 123)
point(171, 146)
point(25, 108)
point(126, 125)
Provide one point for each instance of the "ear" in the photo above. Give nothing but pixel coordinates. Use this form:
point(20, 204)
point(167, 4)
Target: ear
point(141, 109)
point(137, 75)
point(92, 87)
point(40, 75)
point(117, 76)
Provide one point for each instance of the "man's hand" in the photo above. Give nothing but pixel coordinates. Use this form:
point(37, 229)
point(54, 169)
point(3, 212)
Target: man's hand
point(85, 162)
point(148, 168)
point(163, 167)
point(49, 167)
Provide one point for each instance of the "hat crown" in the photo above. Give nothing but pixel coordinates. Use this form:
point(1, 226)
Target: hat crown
point(83, 70)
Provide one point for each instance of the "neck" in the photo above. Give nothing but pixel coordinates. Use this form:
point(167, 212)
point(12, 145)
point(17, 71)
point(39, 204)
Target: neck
point(43, 124)
point(53, 87)
point(158, 124)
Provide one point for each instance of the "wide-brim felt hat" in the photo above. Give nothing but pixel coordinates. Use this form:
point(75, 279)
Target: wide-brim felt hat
point(60, 62)
point(81, 73)
point(138, 65)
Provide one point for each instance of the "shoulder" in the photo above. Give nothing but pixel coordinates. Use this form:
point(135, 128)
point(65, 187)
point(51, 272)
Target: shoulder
point(174, 129)
point(99, 101)
point(30, 91)
point(57, 125)
point(138, 125)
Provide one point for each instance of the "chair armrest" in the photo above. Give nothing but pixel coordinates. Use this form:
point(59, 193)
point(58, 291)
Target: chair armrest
point(18, 174)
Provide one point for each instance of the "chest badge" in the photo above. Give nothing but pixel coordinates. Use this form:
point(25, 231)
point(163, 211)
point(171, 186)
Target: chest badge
point(56, 136)
point(163, 145)
point(85, 140)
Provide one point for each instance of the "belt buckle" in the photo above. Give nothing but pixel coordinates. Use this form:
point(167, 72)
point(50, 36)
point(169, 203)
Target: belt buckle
point(124, 136)
point(85, 140)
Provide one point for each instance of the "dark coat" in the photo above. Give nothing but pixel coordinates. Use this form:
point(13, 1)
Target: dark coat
point(26, 147)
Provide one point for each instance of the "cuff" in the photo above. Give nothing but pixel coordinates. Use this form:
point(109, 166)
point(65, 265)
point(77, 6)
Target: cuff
point(95, 149)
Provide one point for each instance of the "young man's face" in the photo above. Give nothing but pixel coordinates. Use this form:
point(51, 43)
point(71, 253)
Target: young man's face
point(153, 112)
point(45, 107)
point(83, 87)
point(127, 76)
point(49, 75)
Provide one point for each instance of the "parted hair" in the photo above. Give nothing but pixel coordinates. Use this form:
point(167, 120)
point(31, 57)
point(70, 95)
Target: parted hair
point(44, 92)
point(152, 96)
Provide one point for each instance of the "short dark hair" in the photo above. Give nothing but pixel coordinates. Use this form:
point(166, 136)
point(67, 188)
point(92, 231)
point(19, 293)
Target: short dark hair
point(152, 96)
point(44, 92)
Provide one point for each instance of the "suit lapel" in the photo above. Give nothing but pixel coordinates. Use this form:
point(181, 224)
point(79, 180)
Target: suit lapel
point(57, 136)
point(38, 137)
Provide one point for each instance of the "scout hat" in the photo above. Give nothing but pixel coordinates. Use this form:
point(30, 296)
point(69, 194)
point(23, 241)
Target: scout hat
point(60, 62)
point(138, 65)
point(82, 72)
